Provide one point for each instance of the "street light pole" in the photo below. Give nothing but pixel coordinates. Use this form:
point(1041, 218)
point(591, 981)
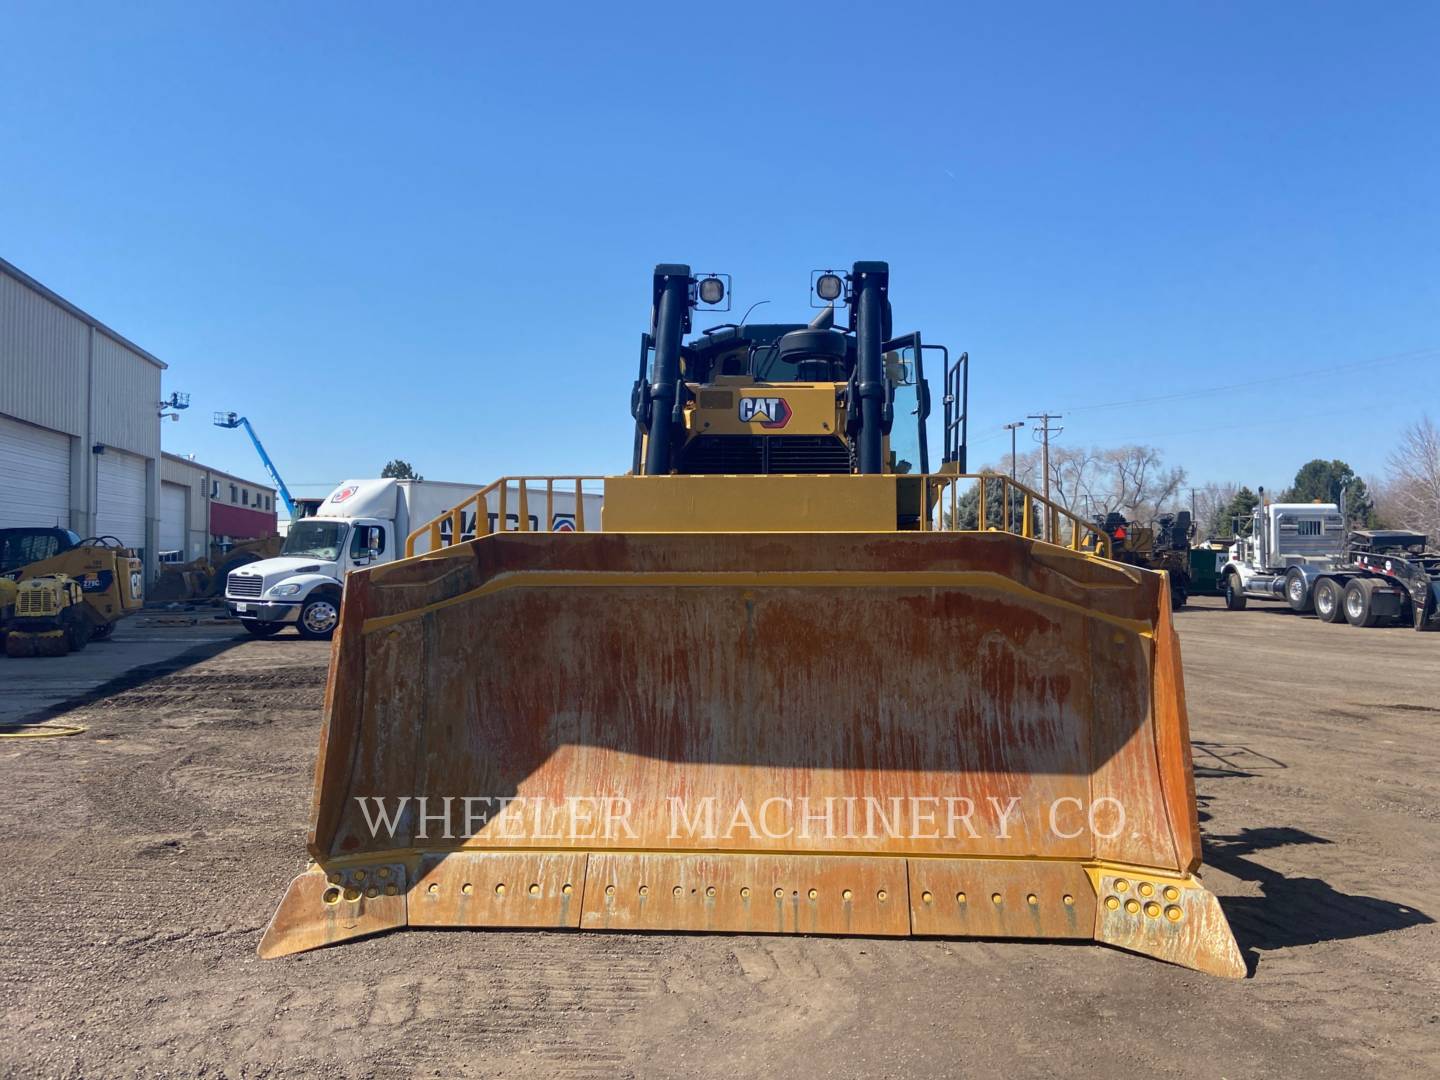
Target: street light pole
point(1012, 429)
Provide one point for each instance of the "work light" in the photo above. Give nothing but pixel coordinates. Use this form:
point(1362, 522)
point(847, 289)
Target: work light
point(712, 290)
point(829, 287)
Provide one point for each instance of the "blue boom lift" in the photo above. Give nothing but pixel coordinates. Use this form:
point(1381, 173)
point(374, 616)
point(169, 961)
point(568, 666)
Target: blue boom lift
point(234, 420)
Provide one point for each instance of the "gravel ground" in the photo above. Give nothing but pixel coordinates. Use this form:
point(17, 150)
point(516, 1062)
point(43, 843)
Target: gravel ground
point(145, 856)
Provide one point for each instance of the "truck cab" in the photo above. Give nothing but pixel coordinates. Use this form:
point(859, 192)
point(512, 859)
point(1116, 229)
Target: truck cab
point(1284, 551)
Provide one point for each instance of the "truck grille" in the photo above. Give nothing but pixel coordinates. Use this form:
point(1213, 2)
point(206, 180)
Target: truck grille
point(246, 585)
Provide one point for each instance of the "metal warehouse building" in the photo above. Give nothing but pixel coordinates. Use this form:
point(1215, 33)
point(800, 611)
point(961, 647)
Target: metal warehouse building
point(79, 421)
point(200, 506)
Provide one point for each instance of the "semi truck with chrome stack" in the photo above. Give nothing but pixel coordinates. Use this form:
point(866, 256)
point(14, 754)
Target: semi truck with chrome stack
point(1305, 556)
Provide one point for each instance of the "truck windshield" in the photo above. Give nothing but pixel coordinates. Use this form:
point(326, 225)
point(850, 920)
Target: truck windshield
point(315, 540)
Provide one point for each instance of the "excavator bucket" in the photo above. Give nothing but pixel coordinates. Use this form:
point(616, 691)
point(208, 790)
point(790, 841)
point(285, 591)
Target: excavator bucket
point(960, 734)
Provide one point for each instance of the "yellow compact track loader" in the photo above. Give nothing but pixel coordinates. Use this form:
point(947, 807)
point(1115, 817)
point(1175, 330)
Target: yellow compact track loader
point(47, 618)
point(794, 681)
point(109, 577)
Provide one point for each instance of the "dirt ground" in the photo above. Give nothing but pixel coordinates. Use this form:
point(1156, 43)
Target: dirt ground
point(144, 857)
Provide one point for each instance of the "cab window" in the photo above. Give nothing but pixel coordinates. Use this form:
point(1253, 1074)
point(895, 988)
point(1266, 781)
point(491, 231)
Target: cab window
point(370, 537)
point(908, 452)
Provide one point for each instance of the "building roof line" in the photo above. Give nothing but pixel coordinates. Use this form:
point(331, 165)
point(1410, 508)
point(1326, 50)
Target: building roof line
point(84, 316)
point(183, 460)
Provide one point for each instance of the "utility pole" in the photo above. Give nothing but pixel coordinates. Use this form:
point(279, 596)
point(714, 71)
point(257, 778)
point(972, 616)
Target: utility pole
point(1045, 432)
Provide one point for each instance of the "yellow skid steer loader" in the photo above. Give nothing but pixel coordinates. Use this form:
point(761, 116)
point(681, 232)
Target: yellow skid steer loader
point(794, 682)
point(84, 587)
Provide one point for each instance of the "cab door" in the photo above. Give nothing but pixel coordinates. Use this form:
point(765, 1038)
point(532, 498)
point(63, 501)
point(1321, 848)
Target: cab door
point(909, 401)
point(371, 543)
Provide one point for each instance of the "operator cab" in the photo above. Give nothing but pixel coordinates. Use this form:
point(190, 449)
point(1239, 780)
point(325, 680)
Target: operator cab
point(788, 398)
point(769, 352)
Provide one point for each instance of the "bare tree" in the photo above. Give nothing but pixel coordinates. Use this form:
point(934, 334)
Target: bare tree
point(1412, 496)
point(1092, 481)
point(1212, 503)
point(1075, 474)
point(1138, 483)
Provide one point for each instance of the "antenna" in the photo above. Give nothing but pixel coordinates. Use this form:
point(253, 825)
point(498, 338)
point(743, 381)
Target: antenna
point(746, 316)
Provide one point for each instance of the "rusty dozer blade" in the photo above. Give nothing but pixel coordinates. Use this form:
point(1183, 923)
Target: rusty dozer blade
point(955, 734)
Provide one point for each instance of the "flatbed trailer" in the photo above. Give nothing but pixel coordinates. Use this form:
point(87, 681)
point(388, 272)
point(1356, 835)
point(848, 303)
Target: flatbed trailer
point(1384, 576)
point(1301, 554)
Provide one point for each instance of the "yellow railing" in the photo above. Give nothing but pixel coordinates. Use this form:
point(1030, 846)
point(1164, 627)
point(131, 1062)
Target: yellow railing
point(1000, 504)
point(512, 493)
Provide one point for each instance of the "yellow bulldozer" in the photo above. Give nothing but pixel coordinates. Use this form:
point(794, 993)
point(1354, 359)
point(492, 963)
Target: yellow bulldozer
point(203, 578)
point(793, 681)
point(58, 592)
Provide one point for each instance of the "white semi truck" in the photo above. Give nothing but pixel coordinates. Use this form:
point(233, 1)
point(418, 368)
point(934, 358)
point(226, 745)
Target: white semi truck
point(364, 523)
point(1303, 554)
point(1287, 548)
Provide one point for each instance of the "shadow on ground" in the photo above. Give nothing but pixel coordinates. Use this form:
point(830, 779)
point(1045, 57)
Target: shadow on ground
point(1295, 910)
point(129, 680)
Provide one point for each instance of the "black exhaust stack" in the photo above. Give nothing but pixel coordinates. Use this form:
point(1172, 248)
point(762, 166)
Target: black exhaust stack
point(870, 284)
point(670, 320)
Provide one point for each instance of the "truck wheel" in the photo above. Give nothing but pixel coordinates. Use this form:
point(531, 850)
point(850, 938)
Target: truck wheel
point(263, 629)
point(1329, 600)
point(1297, 593)
point(319, 617)
point(1234, 592)
point(102, 633)
point(1359, 611)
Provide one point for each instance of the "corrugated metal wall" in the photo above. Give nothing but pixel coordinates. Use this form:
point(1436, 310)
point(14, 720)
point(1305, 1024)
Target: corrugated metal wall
point(44, 355)
point(127, 398)
point(63, 370)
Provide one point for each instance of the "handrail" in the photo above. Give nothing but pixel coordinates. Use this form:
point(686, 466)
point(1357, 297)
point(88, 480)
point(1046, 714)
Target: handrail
point(1000, 505)
point(455, 516)
point(1013, 508)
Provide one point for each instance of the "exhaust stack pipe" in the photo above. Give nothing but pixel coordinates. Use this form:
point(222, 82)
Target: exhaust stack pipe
point(871, 284)
point(670, 318)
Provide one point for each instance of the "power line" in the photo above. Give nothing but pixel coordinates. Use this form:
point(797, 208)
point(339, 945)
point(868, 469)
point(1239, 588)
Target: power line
point(1288, 376)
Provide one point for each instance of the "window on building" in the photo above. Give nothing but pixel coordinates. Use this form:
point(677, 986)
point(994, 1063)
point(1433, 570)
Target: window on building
point(267, 503)
point(234, 494)
point(245, 497)
point(214, 489)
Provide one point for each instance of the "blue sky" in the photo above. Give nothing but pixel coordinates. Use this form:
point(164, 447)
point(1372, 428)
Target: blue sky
point(426, 231)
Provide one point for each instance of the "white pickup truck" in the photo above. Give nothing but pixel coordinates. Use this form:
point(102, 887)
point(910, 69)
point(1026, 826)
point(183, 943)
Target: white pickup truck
point(362, 523)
